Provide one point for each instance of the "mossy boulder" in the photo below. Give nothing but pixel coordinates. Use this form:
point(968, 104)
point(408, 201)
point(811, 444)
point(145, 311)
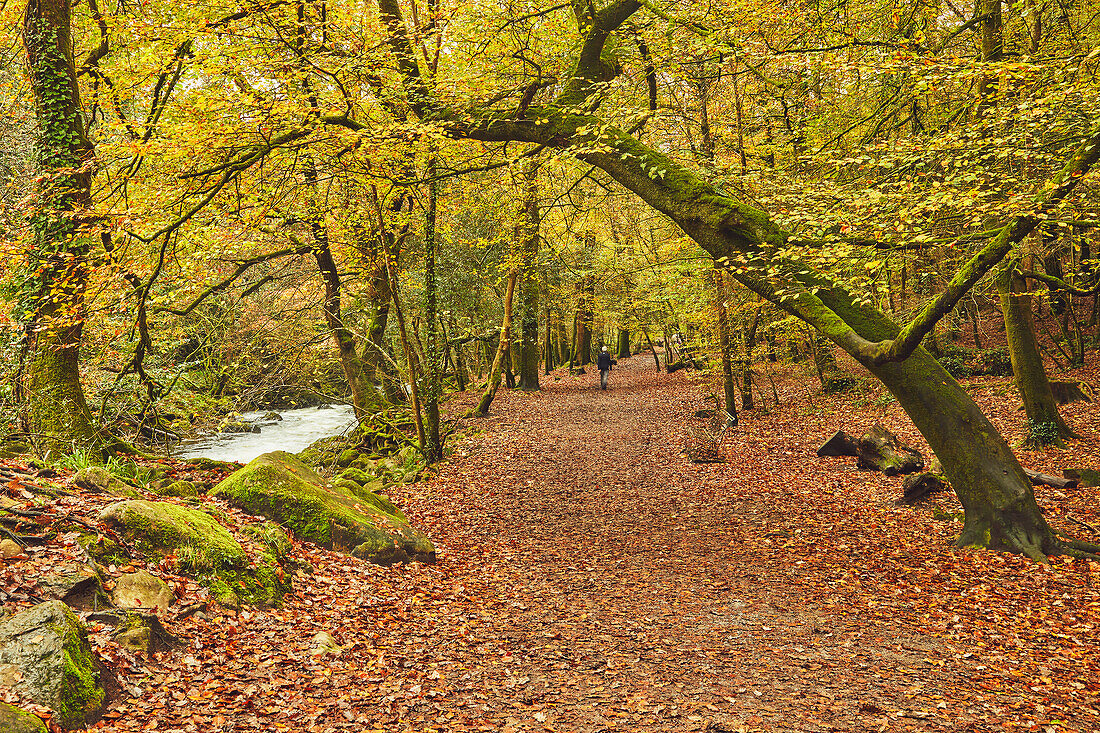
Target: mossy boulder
point(14, 720)
point(99, 480)
point(202, 547)
point(282, 488)
point(355, 475)
point(45, 654)
point(179, 489)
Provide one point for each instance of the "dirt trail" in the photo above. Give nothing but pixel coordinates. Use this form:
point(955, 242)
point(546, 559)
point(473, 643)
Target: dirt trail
point(592, 579)
point(632, 590)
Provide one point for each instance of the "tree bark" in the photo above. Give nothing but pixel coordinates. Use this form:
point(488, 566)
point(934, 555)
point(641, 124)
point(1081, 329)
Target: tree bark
point(63, 224)
point(729, 385)
point(1027, 362)
point(527, 232)
point(502, 350)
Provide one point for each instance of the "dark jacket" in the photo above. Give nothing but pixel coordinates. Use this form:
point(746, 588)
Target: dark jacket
point(603, 361)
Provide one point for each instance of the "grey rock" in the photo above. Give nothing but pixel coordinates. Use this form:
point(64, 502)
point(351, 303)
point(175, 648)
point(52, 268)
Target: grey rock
point(141, 589)
point(45, 655)
point(78, 586)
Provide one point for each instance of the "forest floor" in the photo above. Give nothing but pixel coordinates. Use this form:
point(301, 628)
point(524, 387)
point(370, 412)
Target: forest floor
point(591, 578)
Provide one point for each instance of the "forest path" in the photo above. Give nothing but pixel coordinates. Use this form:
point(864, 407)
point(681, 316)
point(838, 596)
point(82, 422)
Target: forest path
point(612, 585)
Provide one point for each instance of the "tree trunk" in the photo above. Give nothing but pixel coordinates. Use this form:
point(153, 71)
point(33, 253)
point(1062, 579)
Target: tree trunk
point(502, 350)
point(527, 232)
point(583, 341)
point(1046, 423)
point(729, 386)
point(410, 356)
point(372, 248)
point(746, 369)
point(624, 344)
point(57, 413)
point(877, 450)
point(433, 450)
point(548, 347)
point(363, 394)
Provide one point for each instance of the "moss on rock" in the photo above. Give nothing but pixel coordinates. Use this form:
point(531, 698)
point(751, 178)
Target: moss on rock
point(14, 720)
point(282, 488)
point(48, 646)
point(180, 489)
point(203, 548)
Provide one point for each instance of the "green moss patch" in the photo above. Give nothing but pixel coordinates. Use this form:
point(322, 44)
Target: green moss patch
point(14, 720)
point(282, 488)
point(203, 549)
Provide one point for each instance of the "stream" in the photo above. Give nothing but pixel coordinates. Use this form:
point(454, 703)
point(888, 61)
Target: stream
point(295, 431)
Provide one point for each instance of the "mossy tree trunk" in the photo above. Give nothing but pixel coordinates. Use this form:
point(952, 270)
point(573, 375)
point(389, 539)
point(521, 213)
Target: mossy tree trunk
point(433, 381)
point(527, 232)
point(56, 278)
point(624, 344)
point(1047, 424)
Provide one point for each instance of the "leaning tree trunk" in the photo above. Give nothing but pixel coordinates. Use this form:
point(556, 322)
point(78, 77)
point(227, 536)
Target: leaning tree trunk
point(1001, 511)
point(1027, 362)
point(363, 394)
point(502, 350)
point(57, 412)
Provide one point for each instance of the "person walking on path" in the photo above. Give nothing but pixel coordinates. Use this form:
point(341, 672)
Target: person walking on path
point(603, 363)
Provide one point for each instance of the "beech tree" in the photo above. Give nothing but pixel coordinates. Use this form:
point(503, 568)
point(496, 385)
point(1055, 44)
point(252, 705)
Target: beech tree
point(64, 229)
point(1001, 512)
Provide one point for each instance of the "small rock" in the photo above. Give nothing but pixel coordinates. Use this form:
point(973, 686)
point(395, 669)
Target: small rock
point(238, 426)
point(10, 549)
point(141, 589)
point(78, 586)
point(323, 643)
point(180, 489)
point(98, 480)
point(272, 416)
point(136, 640)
